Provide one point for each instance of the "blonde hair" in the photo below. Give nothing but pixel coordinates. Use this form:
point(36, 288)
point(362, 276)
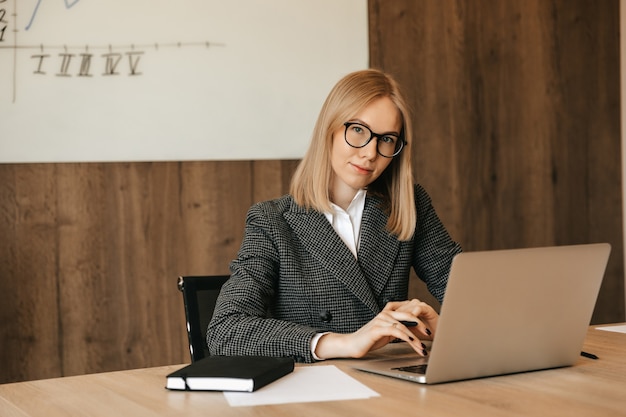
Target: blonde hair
point(310, 185)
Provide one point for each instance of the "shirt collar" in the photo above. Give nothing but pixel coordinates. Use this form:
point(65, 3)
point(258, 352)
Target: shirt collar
point(356, 205)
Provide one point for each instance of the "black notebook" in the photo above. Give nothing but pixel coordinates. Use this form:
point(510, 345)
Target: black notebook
point(229, 373)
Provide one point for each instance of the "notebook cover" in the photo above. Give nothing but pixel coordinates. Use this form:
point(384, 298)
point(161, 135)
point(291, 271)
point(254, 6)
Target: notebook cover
point(230, 373)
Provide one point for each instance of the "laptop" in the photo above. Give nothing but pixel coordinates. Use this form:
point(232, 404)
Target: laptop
point(508, 311)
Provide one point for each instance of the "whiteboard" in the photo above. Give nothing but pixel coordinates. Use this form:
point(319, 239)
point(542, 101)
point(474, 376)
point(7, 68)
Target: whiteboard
point(153, 80)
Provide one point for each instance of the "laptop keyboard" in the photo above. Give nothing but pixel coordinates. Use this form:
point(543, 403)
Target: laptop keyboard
point(416, 369)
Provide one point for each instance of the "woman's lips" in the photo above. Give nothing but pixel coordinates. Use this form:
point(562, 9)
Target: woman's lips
point(361, 169)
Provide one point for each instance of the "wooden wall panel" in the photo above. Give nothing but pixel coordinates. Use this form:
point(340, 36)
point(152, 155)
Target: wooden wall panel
point(516, 118)
point(29, 316)
point(90, 254)
point(271, 178)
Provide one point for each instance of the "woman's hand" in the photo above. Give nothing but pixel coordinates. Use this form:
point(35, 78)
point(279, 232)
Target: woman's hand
point(426, 316)
point(383, 329)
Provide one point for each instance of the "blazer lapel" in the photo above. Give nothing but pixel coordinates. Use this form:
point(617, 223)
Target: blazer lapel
point(378, 249)
point(319, 238)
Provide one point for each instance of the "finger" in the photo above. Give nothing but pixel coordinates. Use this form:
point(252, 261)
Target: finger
point(405, 327)
point(414, 307)
point(395, 305)
point(401, 332)
point(426, 315)
point(417, 327)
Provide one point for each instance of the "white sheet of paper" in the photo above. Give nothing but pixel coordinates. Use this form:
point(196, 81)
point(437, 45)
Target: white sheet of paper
point(305, 384)
point(619, 328)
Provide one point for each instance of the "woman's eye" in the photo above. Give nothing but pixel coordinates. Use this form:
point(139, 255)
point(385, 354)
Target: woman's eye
point(357, 129)
point(388, 139)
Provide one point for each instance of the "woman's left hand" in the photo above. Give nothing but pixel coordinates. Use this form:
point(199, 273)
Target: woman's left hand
point(410, 321)
point(423, 314)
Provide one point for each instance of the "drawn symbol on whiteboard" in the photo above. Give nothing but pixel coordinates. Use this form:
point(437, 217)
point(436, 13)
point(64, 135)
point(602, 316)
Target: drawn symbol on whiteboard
point(68, 5)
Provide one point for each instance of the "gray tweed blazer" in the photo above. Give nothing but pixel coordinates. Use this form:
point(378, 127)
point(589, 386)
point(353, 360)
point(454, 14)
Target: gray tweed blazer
point(294, 277)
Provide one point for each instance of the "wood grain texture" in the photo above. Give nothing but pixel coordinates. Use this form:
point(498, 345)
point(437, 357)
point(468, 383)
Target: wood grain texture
point(30, 324)
point(90, 255)
point(590, 388)
point(516, 111)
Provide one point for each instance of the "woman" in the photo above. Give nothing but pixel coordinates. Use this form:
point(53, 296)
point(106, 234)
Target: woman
point(323, 272)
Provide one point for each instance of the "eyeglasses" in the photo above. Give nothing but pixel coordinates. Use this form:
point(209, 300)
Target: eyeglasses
point(388, 145)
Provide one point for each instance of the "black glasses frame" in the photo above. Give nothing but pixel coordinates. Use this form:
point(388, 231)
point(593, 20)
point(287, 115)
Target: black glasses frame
point(372, 136)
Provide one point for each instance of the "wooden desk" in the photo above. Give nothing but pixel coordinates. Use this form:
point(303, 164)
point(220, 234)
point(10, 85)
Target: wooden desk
point(590, 388)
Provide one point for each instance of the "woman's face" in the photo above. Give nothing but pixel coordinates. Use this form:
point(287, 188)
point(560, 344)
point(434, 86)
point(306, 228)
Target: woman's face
point(356, 168)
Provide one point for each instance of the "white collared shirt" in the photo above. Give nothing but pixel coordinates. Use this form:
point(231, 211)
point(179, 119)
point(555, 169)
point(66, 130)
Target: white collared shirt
point(347, 223)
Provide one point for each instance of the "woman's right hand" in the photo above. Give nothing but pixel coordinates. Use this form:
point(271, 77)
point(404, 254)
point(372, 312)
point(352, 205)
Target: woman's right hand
point(383, 329)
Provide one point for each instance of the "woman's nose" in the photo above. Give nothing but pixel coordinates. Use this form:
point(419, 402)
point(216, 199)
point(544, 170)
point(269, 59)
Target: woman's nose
point(370, 151)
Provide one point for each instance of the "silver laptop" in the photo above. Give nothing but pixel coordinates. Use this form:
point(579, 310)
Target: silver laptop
point(508, 311)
